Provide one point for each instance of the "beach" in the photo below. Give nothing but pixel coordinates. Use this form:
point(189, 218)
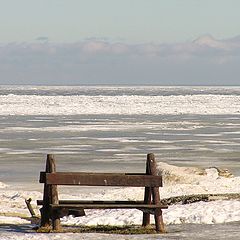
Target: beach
point(111, 129)
point(217, 219)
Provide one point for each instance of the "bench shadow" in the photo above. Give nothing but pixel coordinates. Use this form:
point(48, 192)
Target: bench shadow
point(23, 228)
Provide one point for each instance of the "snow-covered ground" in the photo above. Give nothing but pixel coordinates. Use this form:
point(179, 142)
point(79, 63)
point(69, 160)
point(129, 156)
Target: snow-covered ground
point(177, 181)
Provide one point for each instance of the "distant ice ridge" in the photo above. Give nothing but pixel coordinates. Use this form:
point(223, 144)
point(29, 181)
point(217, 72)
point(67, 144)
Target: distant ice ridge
point(121, 104)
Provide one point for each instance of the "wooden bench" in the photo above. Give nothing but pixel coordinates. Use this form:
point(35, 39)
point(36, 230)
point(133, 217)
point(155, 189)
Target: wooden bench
point(54, 209)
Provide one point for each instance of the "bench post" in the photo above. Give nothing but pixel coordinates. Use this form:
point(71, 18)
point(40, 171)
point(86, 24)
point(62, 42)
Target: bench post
point(54, 196)
point(50, 196)
point(147, 198)
point(155, 194)
point(45, 210)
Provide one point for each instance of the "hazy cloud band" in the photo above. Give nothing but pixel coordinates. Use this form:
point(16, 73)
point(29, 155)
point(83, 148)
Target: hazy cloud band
point(205, 61)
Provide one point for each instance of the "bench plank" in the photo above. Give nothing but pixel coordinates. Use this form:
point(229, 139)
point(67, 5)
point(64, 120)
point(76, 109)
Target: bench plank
point(40, 202)
point(107, 206)
point(100, 179)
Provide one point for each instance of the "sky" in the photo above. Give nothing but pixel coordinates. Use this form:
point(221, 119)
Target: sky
point(174, 42)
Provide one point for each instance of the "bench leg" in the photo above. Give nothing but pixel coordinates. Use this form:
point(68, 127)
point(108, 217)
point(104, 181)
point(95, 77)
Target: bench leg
point(152, 165)
point(147, 195)
point(159, 221)
point(147, 200)
point(45, 218)
point(49, 193)
point(53, 194)
point(56, 220)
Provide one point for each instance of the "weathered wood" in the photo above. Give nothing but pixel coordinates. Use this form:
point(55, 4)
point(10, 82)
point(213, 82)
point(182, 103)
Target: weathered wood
point(100, 173)
point(45, 210)
point(54, 195)
point(101, 179)
point(155, 195)
point(40, 202)
point(107, 206)
point(147, 199)
point(29, 206)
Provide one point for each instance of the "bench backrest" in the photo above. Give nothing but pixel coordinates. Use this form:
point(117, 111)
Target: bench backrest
point(101, 179)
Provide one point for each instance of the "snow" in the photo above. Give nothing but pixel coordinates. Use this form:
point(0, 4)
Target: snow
point(12, 220)
point(177, 181)
point(2, 185)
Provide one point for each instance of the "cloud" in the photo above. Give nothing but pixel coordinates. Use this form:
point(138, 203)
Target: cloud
point(205, 60)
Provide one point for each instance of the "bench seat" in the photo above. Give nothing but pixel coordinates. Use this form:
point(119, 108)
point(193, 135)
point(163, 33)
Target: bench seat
point(75, 204)
point(108, 206)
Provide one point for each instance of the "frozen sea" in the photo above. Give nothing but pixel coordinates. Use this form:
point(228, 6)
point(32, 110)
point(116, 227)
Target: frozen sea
point(98, 128)
point(112, 128)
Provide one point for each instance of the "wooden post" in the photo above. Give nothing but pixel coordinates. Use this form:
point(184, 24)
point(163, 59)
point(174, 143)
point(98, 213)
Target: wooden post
point(45, 210)
point(155, 195)
point(54, 195)
point(147, 197)
point(29, 206)
point(50, 196)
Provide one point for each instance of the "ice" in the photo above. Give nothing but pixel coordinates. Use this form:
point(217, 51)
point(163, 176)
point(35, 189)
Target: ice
point(123, 105)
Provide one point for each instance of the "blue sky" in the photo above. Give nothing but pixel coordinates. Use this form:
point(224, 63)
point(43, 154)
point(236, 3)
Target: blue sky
point(162, 42)
point(125, 20)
